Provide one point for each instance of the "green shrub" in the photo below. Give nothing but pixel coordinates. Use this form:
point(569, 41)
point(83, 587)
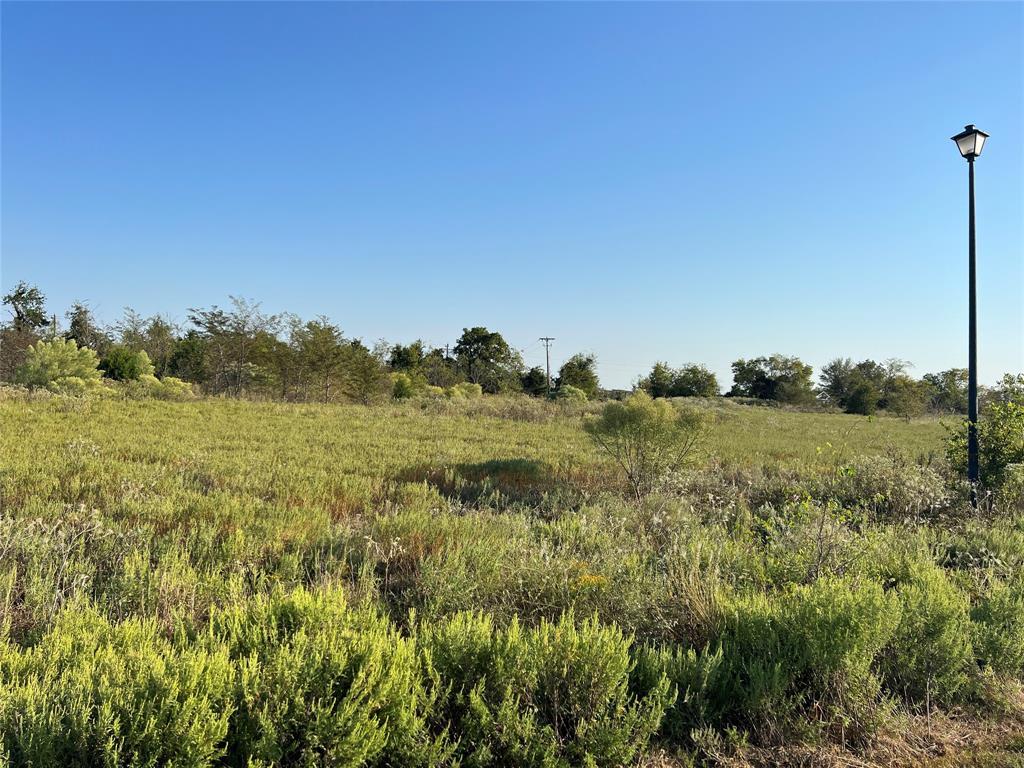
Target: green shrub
point(168, 388)
point(998, 624)
point(930, 654)
point(124, 364)
point(464, 391)
point(571, 394)
point(555, 695)
point(647, 438)
point(890, 486)
point(324, 685)
point(1000, 443)
point(402, 387)
point(60, 365)
point(95, 694)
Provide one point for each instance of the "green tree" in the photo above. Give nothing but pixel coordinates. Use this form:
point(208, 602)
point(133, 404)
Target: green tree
point(408, 357)
point(694, 381)
point(647, 438)
point(947, 390)
point(28, 306)
point(123, 364)
point(781, 378)
point(1000, 443)
point(59, 364)
point(322, 353)
point(486, 359)
point(85, 330)
point(658, 383)
point(535, 382)
point(906, 397)
point(580, 371)
point(364, 377)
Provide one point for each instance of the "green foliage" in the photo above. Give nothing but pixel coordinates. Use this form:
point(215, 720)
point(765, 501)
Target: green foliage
point(167, 388)
point(647, 438)
point(60, 365)
point(947, 391)
point(688, 381)
point(535, 382)
point(931, 653)
point(124, 364)
point(92, 693)
point(485, 358)
point(998, 624)
point(555, 695)
point(1000, 443)
point(579, 372)
point(571, 394)
point(28, 305)
point(785, 379)
point(464, 391)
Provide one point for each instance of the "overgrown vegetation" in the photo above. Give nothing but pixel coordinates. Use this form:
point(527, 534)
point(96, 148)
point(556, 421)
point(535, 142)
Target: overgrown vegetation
point(472, 580)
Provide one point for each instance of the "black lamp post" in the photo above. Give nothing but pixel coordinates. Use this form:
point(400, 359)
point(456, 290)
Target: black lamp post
point(970, 141)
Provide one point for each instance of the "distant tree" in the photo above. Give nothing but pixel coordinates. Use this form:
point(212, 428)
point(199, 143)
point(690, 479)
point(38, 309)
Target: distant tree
point(1009, 389)
point(322, 352)
point(84, 330)
point(580, 371)
point(28, 306)
point(947, 390)
point(535, 382)
point(230, 337)
point(487, 359)
point(406, 358)
point(440, 370)
point(188, 359)
point(59, 364)
point(689, 381)
point(863, 396)
point(364, 377)
point(836, 382)
point(658, 383)
point(781, 378)
point(906, 396)
point(122, 363)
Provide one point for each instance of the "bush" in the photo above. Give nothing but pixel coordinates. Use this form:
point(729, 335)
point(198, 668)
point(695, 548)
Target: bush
point(890, 486)
point(124, 364)
point(998, 624)
point(60, 365)
point(931, 652)
point(465, 391)
point(555, 695)
point(168, 388)
point(571, 394)
point(1000, 443)
point(647, 438)
point(320, 684)
point(95, 694)
point(403, 387)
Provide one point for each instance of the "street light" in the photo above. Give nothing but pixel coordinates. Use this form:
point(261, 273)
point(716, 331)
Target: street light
point(970, 141)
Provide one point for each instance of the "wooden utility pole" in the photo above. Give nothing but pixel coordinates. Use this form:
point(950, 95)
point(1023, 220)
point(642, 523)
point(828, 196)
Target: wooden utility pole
point(547, 355)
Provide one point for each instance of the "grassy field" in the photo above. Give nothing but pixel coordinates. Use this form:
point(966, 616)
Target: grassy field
point(232, 583)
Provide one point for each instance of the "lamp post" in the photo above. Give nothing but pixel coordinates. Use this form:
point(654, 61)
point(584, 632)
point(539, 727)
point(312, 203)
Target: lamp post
point(970, 141)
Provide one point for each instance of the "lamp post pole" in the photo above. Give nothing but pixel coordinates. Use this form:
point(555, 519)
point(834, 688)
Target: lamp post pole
point(970, 142)
point(972, 344)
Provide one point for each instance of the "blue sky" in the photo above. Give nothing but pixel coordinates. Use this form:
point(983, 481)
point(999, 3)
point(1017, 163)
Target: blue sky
point(686, 182)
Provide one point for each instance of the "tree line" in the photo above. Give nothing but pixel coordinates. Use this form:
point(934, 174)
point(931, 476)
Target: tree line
point(239, 350)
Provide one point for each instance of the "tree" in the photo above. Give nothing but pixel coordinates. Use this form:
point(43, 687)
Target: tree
point(647, 438)
point(947, 390)
point(781, 378)
point(439, 369)
point(486, 359)
point(406, 358)
point(321, 352)
point(188, 359)
point(84, 330)
point(580, 371)
point(28, 305)
point(836, 382)
point(863, 397)
point(907, 397)
point(689, 381)
point(230, 337)
point(59, 364)
point(1000, 443)
point(535, 382)
point(124, 364)
point(365, 379)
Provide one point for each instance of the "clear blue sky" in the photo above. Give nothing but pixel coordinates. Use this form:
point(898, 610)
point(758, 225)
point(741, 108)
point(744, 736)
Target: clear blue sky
point(687, 182)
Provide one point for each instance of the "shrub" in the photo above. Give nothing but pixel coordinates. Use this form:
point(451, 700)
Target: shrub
point(1000, 443)
point(890, 486)
point(465, 391)
point(554, 695)
point(647, 438)
point(321, 684)
point(571, 394)
point(95, 694)
point(998, 624)
point(124, 364)
point(403, 386)
point(53, 364)
point(930, 654)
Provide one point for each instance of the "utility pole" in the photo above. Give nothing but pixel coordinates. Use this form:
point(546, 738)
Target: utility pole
point(547, 355)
